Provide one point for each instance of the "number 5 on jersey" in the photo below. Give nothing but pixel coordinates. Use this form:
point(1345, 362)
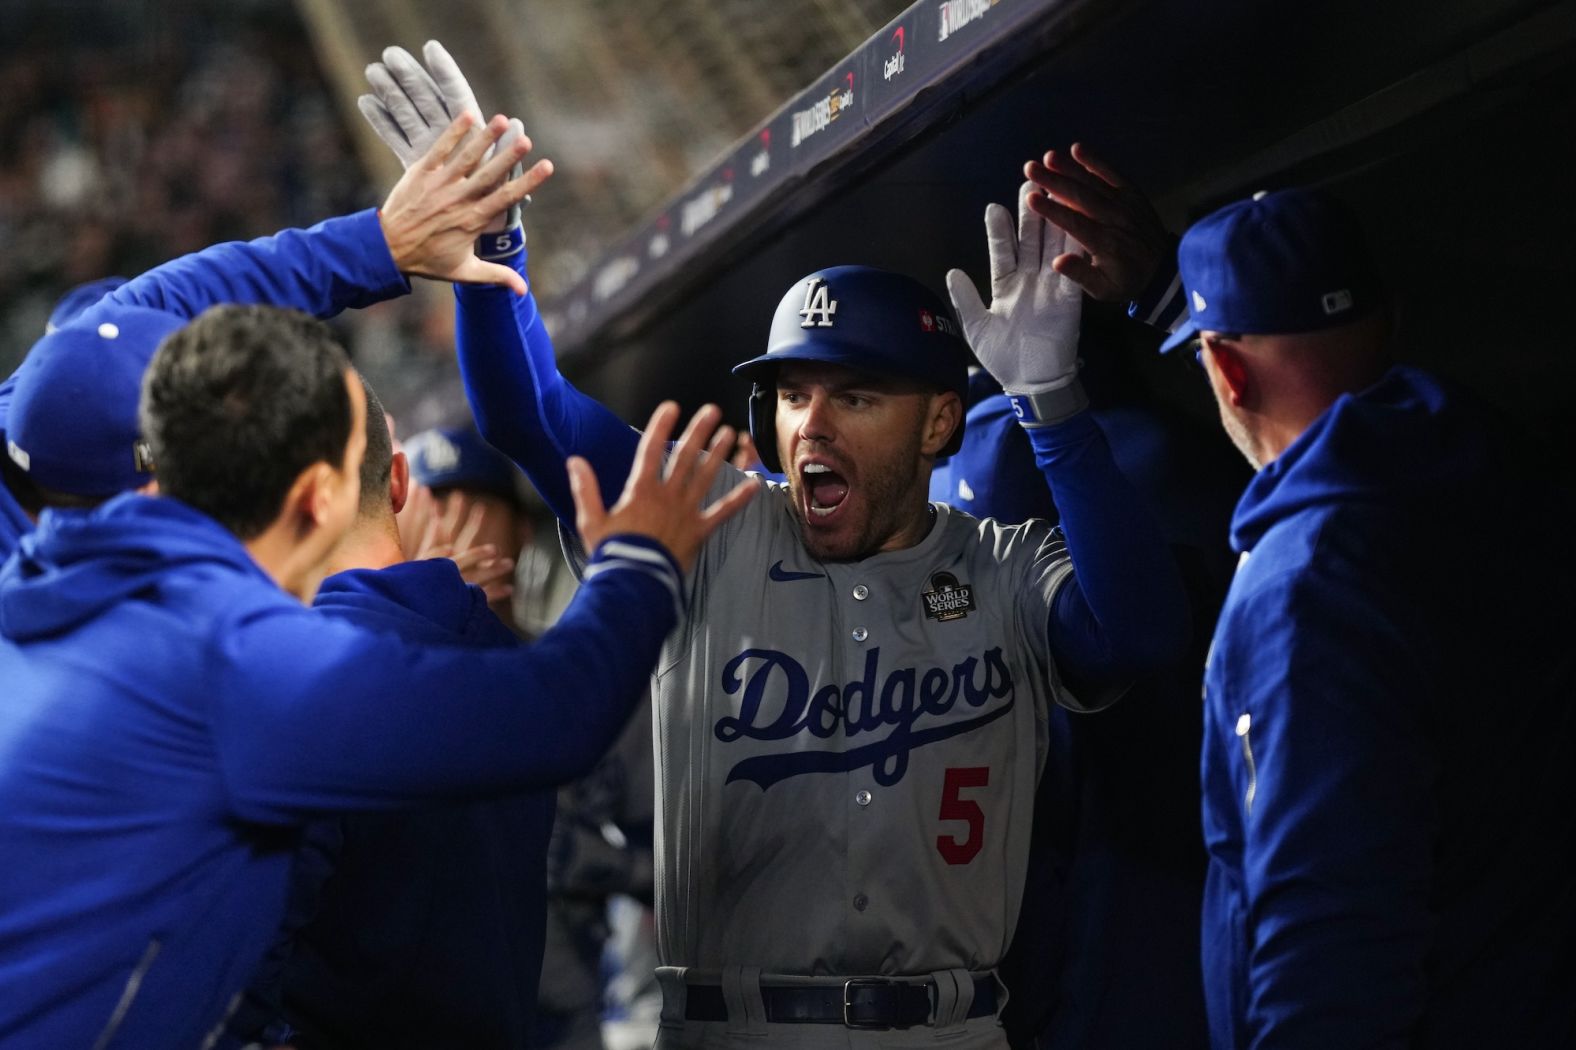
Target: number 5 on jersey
point(955, 807)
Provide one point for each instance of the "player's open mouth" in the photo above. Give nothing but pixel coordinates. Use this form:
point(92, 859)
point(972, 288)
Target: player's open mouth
point(824, 489)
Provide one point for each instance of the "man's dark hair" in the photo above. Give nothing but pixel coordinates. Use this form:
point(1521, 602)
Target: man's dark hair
point(236, 404)
point(378, 461)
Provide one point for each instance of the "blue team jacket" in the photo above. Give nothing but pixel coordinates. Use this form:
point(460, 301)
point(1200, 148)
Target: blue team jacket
point(338, 264)
point(170, 719)
point(425, 928)
point(1387, 745)
point(14, 523)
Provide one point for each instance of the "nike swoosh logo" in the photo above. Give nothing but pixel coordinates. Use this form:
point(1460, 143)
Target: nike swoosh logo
point(782, 575)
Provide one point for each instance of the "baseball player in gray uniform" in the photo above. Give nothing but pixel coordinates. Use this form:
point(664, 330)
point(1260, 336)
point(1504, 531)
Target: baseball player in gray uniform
point(850, 719)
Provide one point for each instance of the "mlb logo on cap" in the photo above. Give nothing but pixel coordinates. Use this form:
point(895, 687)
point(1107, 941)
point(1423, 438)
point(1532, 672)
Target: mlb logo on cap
point(459, 457)
point(73, 420)
point(1291, 261)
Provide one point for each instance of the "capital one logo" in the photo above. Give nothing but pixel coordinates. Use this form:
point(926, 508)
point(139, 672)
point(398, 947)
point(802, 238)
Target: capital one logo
point(819, 306)
point(894, 65)
point(762, 161)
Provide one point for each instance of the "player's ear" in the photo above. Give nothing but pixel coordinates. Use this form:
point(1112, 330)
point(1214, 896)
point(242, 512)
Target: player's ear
point(320, 482)
point(305, 504)
point(943, 417)
point(316, 495)
point(1232, 379)
point(399, 481)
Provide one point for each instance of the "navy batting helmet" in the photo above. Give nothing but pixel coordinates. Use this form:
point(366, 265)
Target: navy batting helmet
point(863, 318)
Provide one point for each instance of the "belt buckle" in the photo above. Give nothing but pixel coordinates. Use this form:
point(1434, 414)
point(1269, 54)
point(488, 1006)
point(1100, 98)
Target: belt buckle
point(863, 982)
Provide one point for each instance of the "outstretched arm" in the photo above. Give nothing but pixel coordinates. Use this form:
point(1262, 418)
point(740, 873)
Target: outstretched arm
point(368, 721)
point(427, 227)
point(521, 403)
point(1124, 612)
point(339, 264)
point(524, 407)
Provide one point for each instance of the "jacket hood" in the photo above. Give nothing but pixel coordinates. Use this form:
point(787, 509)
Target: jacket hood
point(14, 522)
point(1406, 441)
point(420, 600)
point(76, 564)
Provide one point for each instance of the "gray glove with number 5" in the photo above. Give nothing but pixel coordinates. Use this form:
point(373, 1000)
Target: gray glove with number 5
point(409, 107)
point(1028, 337)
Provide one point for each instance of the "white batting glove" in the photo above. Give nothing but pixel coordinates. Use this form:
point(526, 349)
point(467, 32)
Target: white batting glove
point(409, 107)
point(1028, 337)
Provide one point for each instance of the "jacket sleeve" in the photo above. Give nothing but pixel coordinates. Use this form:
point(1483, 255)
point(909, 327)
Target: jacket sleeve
point(316, 716)
point(1339, 821)
point(524, 407)
point(339, 264)
point(1125, 612)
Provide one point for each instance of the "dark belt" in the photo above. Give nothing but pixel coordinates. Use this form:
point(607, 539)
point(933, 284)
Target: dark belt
point(859, 1002)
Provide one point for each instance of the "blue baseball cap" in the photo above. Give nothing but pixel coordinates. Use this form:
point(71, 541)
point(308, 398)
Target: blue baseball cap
point(451, 457)
point(73, 420)
point(1290, 261)
point(80, 298)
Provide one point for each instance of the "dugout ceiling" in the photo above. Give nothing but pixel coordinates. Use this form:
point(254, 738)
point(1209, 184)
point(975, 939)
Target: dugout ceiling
point(1444, 123)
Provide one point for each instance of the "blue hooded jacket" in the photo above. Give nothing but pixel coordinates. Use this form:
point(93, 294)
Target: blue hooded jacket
point(338, 264)
point(1387, 745)
point(420, 928)
point(170, 718)
point(14, 522)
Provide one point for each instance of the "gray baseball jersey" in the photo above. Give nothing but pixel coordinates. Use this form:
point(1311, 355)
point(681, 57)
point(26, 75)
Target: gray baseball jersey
point(847, 751)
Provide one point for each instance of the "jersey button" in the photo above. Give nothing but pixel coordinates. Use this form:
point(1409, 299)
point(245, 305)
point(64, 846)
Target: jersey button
point(861, 592)
point(861, 902)
point(860, 634)
point(863, 798)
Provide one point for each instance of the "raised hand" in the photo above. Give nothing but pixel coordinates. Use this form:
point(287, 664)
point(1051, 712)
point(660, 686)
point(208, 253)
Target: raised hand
point(664, 503)
point(1122, 238)
point(1028, 337)
point(411, 104)
point(446, 198)
point(450, 532)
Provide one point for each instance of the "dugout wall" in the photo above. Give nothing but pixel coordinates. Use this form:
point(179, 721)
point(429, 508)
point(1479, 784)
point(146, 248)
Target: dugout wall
point(1443, 123)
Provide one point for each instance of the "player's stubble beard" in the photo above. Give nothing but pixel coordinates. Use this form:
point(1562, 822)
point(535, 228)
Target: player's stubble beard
point(892, 493)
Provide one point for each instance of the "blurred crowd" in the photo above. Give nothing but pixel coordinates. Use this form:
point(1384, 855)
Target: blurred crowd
point(134, 132)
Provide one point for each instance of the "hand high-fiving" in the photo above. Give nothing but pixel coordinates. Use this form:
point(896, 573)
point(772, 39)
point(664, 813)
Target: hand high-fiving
point(1028, 337)
point(662, 496)
point(410, 105)
point(447, 198)
point(1123, 240)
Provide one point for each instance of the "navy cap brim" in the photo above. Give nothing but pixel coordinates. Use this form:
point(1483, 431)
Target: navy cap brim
point(856, 358)
point(826, 351)
point(1186, 332)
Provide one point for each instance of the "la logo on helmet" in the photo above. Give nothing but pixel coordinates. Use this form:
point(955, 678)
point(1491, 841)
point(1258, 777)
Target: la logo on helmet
point(819, 306)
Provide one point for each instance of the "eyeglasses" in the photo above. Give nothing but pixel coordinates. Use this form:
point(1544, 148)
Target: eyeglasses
point(1202, 339)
